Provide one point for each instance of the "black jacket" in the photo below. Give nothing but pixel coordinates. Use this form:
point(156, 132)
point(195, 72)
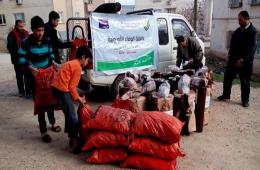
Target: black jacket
point(194, 51)
point(243, 45)
point(51, 33)
point(13, 46)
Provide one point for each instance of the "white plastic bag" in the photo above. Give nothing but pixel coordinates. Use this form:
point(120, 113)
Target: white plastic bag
point(145, 76)
point(164, 90)
point(129, 83)
point(203, 72)
point(149, 86)
point(184, 84)
point(173, 68)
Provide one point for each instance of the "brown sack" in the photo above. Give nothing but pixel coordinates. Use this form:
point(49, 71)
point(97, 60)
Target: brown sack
point(137, 104)
point(184, 109)
point(163, 104)
point(160, 104)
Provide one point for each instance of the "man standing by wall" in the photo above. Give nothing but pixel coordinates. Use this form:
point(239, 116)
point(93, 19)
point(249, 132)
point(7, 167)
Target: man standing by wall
point(14, 41)
point(52, 33)
point(240, 58)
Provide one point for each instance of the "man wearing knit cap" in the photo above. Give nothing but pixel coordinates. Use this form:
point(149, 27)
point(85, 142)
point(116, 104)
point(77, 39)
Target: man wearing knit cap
point(36, 53)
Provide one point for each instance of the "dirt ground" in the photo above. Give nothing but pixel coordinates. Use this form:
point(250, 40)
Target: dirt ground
point(231, 141)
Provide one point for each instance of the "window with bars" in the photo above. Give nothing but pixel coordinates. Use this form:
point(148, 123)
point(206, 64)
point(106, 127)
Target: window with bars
point(2, 19)
point(235, 3)
point(19, 16)
point(61, 14)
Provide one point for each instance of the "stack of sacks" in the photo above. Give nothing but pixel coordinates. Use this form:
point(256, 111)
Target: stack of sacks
point(109, 138)
point(156, 142)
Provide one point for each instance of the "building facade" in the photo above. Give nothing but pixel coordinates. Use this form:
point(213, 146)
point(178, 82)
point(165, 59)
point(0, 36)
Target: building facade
point(10, 10)
point(225, 21)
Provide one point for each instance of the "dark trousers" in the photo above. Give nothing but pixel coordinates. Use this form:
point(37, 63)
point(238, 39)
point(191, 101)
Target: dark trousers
point(20, 78)
point(29, 82)
point(71, 118)
point(244, 73)
point(42, 121)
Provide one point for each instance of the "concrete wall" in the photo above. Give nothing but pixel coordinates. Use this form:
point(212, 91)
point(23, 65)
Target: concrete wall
point(225, 21)
point(30, 8)
point(69, 9)
point(41, 8)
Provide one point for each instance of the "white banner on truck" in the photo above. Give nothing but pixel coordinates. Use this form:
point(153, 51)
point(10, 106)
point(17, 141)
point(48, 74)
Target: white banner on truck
point(123, 43)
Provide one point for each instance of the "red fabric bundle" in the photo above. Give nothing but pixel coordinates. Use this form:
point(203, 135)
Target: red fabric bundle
point(112, 119)
point(43, 93)
point(156, 149)
point(159, 125)
point(77, 42)
point(122, 104)
point(103, 156)
point(85, 114)
point(145, 162)
point(104, 139)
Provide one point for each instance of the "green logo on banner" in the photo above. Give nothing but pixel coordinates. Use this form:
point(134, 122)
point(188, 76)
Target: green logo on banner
point(145, 60)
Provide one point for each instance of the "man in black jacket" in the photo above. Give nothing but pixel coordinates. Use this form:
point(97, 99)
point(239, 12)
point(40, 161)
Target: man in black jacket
point(240, 58)
point(52, 33)
point(14, 41)
point(189, 53)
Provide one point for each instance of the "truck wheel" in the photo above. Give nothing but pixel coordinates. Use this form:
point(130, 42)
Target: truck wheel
point(114, 87)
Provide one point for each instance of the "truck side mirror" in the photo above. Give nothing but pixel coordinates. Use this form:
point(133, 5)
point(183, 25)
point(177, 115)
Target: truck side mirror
point(193, 34)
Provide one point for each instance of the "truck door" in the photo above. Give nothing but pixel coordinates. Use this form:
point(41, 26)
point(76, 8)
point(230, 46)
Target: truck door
point(179, 27)
point(165, 55)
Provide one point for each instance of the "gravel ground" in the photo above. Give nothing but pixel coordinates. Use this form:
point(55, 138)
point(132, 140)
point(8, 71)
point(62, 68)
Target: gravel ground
point(230, 141)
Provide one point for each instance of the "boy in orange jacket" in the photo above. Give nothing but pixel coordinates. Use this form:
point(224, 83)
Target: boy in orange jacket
point(64, 87)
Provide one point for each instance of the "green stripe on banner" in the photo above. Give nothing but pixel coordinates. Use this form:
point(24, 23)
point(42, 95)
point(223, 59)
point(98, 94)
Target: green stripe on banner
point(145, 60)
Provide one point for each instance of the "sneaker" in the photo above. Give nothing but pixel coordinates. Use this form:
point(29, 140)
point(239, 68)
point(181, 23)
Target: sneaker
point(46, 138)
point(223, 98)
point(245, 104)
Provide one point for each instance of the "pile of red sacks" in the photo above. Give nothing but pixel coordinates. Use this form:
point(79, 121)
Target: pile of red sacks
point(145, 140)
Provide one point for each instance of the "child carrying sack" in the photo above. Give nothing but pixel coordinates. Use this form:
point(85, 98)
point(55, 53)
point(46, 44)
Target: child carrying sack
point(42, 88)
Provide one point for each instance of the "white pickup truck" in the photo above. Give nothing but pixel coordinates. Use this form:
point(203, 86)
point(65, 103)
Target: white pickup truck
point(169, 27)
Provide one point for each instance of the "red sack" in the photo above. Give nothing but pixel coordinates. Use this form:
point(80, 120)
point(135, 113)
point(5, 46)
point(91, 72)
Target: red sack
point(112, 119)
point(103, 156)
point(156, 149)
point(103, 139)
point(159, 125)
point(77, 42)
point(85, 113)
point(122, 104)
point(42, 88)
point(146, 162)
